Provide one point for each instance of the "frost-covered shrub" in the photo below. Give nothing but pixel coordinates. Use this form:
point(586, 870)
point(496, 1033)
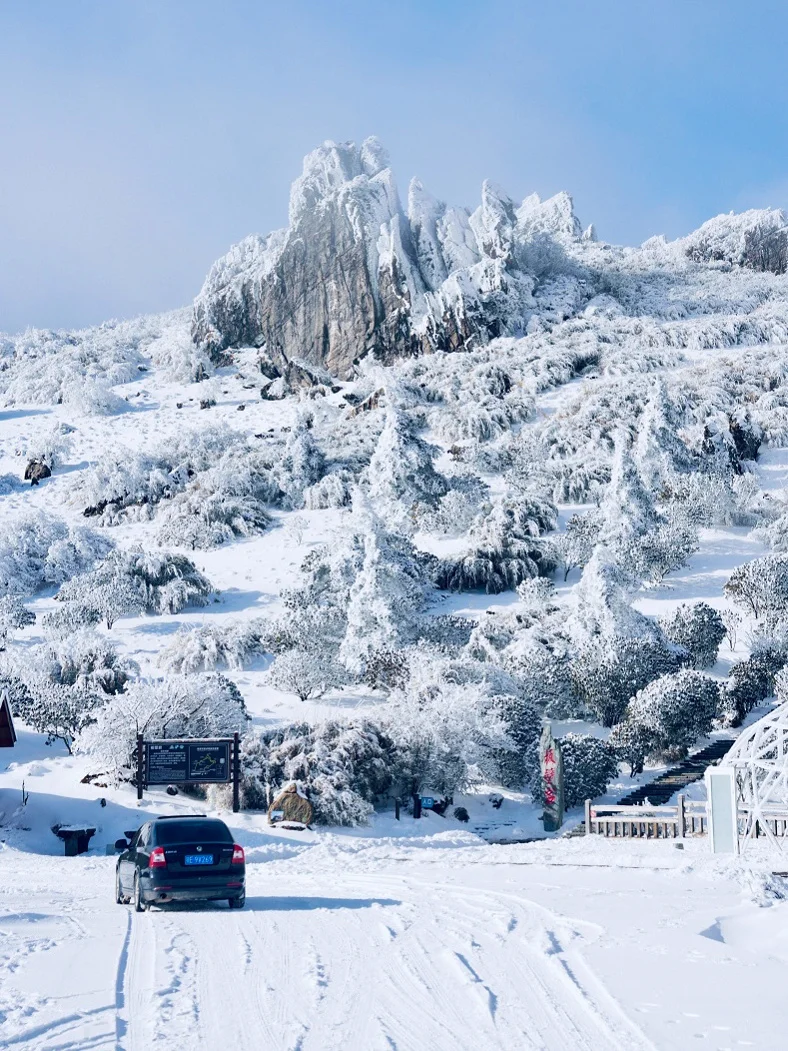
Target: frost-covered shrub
point(344, 768)
point(13, 615)
point(92, 396)
point(457, 509)
point(202, 518)
point(523, 725)
point(87, 661)
point(182, 706)
point(698, 629)
point(305, 673)
point(333, 490)
point(45, 367)
point(132, 581)
point(669, 715)
point(542, 668)
point(49, 445)
point(212, 646)
point(749, 683)
point(504, 547)
point(608, 672)
point(38, 550)
point(761, 586)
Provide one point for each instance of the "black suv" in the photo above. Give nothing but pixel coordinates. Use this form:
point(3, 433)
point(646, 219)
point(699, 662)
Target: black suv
point(180, 859)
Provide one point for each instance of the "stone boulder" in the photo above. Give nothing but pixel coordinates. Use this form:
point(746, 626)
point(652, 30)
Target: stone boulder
point(36, 470)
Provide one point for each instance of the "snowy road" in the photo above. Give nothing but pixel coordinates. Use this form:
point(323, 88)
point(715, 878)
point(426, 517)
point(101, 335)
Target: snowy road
point(385, 963)
point(370, 945)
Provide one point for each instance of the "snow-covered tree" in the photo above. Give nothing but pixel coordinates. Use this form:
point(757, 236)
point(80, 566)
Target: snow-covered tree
point(302, 464)
point(61, 712)
point(37, 551)
point(669, 715)
point(659, 453)
point(181, 706)
point(522, 722)
point(608, 671)
point(305, 673)
point(750, 682)
point(504, 547)
point(107, 592)
point(697, 628)
point(13, 615)
point(401, 481)
point(450, 734)
point(384, 600)
point(761, 586)
point(343, 768)
point(573, 548)
point(601, 602)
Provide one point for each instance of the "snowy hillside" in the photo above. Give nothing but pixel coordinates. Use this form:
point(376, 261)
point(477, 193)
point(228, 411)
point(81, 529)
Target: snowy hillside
point(406, 484)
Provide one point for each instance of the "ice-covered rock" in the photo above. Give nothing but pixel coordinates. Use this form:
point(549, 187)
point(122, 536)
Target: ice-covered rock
point(354, 274)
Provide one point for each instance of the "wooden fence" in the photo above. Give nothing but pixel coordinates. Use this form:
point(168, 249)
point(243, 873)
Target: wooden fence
point(687, 818)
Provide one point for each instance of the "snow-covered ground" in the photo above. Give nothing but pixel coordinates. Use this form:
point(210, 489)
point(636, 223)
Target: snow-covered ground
point(399, 937)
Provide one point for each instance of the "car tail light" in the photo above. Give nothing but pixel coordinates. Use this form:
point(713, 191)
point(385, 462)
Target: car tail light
point(157, 859)
point(239, 857)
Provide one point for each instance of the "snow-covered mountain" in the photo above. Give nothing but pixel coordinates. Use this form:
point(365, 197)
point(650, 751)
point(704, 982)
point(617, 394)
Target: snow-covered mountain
point(356, 273)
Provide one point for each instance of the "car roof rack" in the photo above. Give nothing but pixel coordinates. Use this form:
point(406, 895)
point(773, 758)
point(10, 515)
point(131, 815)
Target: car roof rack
point(177, 817)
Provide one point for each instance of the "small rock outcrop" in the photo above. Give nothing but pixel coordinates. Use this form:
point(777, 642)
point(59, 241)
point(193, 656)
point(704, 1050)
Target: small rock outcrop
point(36, 470)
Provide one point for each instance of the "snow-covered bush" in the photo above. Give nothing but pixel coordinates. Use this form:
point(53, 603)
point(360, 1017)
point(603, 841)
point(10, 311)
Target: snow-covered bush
point(761, 586)
point(343, 768)
point(698, 629)
point(305, 673)
point(669, 715)
point(135, 580)
point(607, 672)
point(504, 546)
point(13, 615)
point(38, 550)
point(333, 490)
point(749, 683)
point(601, 603)
point(523, 725)
point(49, 445)
point(86, 660)
point(182, 706)
point(212, 646)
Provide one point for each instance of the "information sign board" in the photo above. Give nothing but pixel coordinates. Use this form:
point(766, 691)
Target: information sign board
point(182, 762)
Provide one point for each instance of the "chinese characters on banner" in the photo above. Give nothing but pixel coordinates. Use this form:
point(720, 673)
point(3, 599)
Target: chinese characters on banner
point(552, 767)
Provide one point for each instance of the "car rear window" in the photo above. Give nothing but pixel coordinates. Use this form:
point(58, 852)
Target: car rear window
point(169, 833)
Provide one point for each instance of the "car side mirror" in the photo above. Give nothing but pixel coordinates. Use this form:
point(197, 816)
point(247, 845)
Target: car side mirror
point(121, 844)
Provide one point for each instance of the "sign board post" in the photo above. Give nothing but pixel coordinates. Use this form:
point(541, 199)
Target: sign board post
point(552, 767)
point(190, 761)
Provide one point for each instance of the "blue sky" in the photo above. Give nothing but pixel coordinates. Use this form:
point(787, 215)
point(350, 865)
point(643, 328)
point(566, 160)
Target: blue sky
point(138, 140)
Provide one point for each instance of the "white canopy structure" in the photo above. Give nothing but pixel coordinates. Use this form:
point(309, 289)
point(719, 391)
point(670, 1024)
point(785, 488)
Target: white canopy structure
point(760, 762)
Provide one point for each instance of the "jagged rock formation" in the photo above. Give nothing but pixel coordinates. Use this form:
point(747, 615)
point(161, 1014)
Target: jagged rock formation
point(356, 274)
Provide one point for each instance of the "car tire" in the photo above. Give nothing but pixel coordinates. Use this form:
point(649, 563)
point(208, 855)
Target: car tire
point(139, 904)
point(120, 897)
point(237, 903)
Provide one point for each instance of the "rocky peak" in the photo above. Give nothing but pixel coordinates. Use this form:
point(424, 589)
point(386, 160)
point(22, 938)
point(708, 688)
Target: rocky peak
point(353, 274)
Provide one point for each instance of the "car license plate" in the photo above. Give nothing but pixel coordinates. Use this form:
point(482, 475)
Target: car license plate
point(198, 859)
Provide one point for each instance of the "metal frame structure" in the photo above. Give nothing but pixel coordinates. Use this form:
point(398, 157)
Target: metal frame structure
point(760, 760)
